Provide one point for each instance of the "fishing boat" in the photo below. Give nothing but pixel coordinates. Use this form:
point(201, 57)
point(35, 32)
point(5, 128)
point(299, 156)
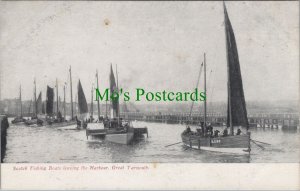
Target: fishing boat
point(115, 129)
point(58, 120)
point(91, 119)
point(35, 121)
point(19, 119)
point(52, 119)
point(82, 107)
point(66, 122)
point(39, 107)
point(99, 117)
point(39, 118)
point(204, 138)
point(49, 105)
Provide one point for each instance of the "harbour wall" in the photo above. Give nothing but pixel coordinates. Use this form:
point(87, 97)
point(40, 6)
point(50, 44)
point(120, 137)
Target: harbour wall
point(3, 125)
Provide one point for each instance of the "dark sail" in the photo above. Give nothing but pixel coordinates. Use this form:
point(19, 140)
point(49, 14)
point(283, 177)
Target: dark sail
point(236, 108)
point(82, 104)
point(49, 101)
point(43, 108)
point(113, 88)
point(39, 103)
point(59, 104)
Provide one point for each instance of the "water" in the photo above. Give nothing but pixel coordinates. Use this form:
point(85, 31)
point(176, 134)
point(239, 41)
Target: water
point(52, 145)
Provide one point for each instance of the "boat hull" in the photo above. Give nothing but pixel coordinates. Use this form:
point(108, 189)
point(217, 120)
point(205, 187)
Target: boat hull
point(62, 124)
point(34, 122)
point(238, 144)
point(18, 121)
point(120, 138)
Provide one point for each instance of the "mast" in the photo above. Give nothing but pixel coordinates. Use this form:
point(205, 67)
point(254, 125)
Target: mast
point(65, 102)
point(118, 106)
point(205, 93)
point(92, 109)
point(21, 101)
point(98, 105)
point(56, 99)
point(35, 104)
point(106, 108)
point(198, 79)
point(71, 93)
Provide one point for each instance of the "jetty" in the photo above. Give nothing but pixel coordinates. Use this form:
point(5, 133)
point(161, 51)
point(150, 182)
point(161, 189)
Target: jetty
point(263, 120)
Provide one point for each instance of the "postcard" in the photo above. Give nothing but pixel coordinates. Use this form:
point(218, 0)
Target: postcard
point(158, 95)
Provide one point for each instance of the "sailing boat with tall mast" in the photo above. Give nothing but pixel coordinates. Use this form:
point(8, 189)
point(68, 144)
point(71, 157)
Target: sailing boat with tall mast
point(92, 106)
point(100, 118)
point(116, 130)
point(34, 119)
point(49, 103)
point(64, 101)
point(82, 107)
point(58, 113)
point(205, 139)
point(19, 119)
point(61, 121)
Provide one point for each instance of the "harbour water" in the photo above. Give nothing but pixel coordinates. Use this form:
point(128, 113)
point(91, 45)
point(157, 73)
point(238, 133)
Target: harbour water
point(54, 145)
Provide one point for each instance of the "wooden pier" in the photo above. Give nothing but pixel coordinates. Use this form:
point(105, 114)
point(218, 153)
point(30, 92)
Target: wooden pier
point(288, 121)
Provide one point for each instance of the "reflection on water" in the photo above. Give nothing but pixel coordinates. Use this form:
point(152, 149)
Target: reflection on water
point(46, 144)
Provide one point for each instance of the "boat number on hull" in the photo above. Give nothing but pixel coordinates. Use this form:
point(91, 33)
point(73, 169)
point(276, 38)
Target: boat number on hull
point(216, 141)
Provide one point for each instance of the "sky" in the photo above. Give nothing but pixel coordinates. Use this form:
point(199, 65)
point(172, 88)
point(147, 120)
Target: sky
point(155, 45)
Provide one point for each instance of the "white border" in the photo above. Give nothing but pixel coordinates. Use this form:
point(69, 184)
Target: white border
point(155, 176)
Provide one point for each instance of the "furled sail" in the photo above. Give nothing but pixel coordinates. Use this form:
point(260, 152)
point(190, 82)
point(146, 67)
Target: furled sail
point(114, 111)
point(39, 103)
point(82, 104)
point(236, 108)
point(49, 101)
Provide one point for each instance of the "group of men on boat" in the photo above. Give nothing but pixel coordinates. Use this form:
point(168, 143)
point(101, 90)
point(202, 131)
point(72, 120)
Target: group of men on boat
point(116, 123)
point(55, 119)
point(208, 132)
point(108, 123)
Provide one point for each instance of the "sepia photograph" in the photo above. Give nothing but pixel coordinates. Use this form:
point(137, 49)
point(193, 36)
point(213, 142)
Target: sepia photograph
point(166, 82)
